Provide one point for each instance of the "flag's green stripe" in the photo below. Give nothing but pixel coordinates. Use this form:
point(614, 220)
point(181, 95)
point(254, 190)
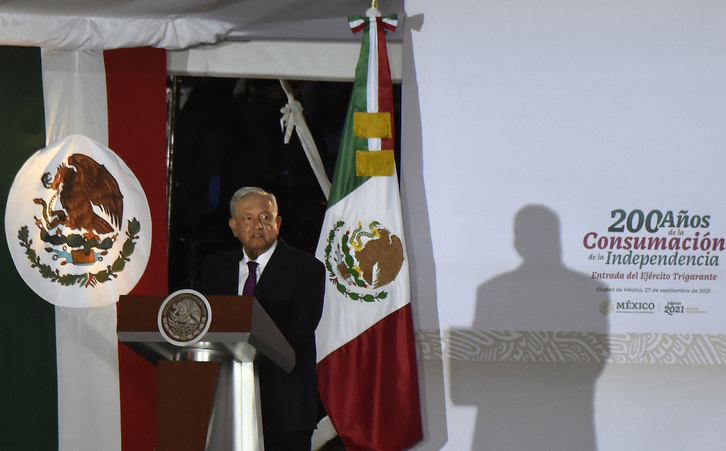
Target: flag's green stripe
point(28, 381)
point(344, 178)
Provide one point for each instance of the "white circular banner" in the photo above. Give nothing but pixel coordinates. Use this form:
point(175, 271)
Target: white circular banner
point(78, 224)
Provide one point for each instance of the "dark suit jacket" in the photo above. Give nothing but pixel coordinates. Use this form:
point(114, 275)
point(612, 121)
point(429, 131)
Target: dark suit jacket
point(291, 291)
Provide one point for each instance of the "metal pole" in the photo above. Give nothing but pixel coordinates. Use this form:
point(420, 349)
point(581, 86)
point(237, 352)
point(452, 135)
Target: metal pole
point(172, 110)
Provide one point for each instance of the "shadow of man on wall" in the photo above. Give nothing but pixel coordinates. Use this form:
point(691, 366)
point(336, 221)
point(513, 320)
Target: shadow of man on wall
point(535, 349)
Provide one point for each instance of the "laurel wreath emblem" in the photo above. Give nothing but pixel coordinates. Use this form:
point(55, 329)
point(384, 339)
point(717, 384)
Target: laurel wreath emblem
point(350, 266)
point(84, 279)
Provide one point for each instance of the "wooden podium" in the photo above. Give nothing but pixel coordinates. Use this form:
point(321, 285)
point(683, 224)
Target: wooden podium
point(208, 392)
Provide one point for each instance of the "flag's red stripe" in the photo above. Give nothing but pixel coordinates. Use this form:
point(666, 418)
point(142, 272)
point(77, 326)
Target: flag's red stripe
point(369, 387)
point(388, 25)
point(136, 94)
point(385, 89)
point(137, 386)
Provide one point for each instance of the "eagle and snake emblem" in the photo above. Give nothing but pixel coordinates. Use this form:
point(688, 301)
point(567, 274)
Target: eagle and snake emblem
point(80, 184)
point(81, 222)
point(361, 263)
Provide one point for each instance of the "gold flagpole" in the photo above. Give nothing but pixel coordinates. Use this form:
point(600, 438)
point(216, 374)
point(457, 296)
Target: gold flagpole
point(373, 10)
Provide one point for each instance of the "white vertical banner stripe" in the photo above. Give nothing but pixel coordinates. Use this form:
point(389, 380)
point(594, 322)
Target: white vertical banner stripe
point(372, 105)
point(372, 85)
point(74, 86)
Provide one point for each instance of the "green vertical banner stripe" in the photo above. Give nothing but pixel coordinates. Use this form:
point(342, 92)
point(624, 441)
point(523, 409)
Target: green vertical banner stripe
point(28, 381)
point(344, 178)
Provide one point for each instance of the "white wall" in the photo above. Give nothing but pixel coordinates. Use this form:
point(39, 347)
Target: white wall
point(582, 108)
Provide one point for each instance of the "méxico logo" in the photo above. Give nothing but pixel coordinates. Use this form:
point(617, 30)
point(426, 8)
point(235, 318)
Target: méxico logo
point(362, 260)
point(77, 224)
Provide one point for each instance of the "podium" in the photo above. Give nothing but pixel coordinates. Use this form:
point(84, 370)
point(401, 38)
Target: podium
point(208, 392)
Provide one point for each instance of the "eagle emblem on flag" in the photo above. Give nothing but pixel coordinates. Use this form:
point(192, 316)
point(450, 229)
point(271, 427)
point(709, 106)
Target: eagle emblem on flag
point(75, 224)
point(362, 261)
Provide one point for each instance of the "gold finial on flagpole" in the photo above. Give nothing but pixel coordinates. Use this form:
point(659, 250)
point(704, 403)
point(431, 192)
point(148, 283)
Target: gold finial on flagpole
point(373, 10)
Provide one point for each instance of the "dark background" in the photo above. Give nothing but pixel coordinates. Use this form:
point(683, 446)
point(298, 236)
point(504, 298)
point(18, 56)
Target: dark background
point(226, 134)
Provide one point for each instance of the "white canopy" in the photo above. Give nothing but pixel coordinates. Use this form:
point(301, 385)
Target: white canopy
point(175, 24)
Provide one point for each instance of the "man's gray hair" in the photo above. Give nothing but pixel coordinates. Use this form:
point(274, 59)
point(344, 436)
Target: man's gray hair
point(251, 191)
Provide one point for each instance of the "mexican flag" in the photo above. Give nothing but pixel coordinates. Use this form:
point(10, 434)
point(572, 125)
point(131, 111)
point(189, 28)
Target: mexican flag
point(65, 381)
point(366, 355)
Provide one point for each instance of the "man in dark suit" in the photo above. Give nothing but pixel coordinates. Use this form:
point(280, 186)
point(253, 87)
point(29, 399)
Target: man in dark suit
point(290, 286)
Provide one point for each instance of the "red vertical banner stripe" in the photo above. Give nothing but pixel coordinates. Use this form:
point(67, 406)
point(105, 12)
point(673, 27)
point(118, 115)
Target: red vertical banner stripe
point(385, 88)
point(136, 93)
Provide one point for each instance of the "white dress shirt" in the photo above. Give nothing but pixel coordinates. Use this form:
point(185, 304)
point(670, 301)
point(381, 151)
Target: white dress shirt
point(244, 270)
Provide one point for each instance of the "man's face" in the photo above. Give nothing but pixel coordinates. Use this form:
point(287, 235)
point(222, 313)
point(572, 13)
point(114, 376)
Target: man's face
point(255, 224)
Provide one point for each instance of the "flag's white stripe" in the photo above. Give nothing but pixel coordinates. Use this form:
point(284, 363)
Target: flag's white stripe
point(372, 85)
point(376, 200)
point(392, 22)
point(74, 85)
point(355, 23)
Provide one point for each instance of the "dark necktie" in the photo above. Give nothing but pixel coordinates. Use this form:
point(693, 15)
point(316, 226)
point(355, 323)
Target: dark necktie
point(251, 281)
